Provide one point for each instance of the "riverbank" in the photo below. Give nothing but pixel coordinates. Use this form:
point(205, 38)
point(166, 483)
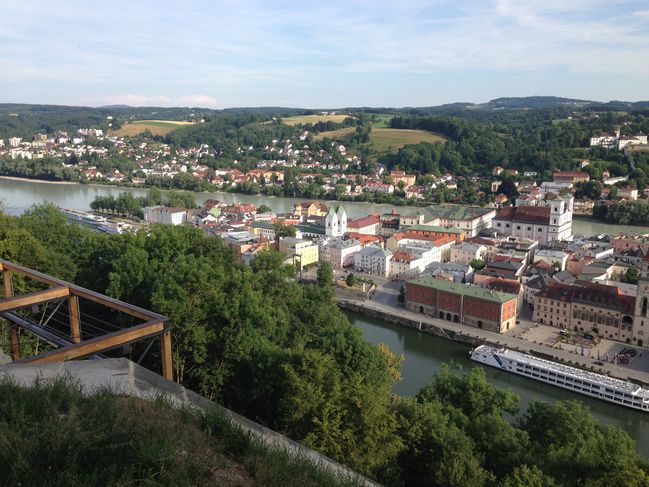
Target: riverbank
point(397, 203)
point(473, 336)
point(39, 181)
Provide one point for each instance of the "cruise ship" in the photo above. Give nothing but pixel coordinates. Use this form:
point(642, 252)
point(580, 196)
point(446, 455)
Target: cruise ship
point(582, 381)
point(83, 217)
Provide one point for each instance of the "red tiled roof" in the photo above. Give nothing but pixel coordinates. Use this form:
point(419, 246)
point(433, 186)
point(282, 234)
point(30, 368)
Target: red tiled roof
point(364, 239)
point(503, 285)
point(401, 256)
point(571, 174)
point(593, 294)
point(363, 222)
point(525, 214)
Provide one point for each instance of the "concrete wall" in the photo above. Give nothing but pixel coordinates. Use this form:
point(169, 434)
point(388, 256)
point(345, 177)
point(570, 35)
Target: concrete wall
point(125, 377)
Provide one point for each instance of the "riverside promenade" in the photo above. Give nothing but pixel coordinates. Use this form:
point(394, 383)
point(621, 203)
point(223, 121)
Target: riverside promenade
point(475, 336)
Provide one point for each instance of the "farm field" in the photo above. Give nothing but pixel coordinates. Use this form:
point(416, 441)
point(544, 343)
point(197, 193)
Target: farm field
point(299, 119)
point(156, 127)
point(385, 140)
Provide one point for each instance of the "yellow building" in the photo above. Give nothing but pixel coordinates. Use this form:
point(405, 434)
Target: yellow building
point(302, 252)
point(310, 208)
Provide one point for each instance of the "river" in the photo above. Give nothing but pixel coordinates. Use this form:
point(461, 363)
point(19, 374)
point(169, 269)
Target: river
point(424, 354)
point(19, 195)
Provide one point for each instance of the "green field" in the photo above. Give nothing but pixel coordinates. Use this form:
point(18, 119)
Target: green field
point(156, 127)
point(384, 140)
point(301, 119)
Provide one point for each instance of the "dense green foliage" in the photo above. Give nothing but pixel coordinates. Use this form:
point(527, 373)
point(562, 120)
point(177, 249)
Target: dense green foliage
point(527, 140)
point(624, 213)
point(128, 205)
point(53, 435)
point(283, 354)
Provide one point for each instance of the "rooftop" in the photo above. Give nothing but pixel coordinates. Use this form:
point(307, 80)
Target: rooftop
point(435, 228)
point(525, 214)
point(463, 289)
point(455, 212)
point(593, 294)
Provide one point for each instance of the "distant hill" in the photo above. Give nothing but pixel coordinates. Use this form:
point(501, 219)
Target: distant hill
point(536, 102)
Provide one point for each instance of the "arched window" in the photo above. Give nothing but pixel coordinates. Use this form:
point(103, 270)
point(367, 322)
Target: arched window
point(644, 306)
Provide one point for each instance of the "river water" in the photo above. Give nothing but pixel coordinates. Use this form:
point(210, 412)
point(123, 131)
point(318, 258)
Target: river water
point(423, 353)
point(20, 195)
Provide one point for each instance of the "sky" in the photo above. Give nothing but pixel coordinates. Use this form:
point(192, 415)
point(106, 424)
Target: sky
point(324, 54)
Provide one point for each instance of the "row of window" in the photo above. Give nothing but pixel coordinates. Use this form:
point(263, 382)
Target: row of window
point(576, 384)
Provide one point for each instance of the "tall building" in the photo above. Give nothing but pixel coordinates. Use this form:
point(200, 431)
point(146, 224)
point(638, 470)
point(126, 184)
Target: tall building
point(336, 222)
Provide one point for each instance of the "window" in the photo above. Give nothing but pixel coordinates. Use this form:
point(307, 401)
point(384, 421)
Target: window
point(518, 227)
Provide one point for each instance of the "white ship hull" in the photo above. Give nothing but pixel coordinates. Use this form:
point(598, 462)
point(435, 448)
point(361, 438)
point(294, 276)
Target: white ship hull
point(581, 381)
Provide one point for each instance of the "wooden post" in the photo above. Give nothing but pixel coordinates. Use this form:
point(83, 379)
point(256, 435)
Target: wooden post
point(165, 355)
point(75, 327)
point(13, 329)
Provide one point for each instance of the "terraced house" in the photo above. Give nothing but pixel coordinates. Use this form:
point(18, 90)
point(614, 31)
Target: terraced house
point(587, 307)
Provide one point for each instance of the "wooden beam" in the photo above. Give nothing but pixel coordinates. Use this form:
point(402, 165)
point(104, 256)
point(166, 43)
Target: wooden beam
point(8, 304)
point(84, 293)
point(7, 285)
point(100, 344)
point(165, 355)
point(75, 326)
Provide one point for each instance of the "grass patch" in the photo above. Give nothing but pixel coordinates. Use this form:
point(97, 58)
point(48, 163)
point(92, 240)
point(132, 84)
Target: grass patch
point(156, 127)
point(302, 119)
point(51, 434)
point(384, 140)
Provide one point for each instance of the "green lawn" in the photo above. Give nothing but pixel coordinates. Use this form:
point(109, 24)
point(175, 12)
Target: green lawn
point(301, 119)
point(384, 140)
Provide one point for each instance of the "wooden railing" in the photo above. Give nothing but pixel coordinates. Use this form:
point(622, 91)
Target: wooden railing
point(76, 348)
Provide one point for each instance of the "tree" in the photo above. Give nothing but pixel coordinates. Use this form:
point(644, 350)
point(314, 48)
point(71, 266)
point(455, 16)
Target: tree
point(508, 188)
point(325, 277)
point(282, 230)
point(264, 209)
point(402, 295)
point(351, 279)
point(477, 264)
point(154, 197)
point(631, 276)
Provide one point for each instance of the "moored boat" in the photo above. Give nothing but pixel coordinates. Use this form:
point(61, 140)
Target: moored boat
point(584, 382)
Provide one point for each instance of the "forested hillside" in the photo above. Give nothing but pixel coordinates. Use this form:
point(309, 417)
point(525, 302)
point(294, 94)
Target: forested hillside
point(283, 354)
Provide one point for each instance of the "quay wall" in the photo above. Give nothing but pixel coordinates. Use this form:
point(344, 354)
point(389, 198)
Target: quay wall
point(474, 337)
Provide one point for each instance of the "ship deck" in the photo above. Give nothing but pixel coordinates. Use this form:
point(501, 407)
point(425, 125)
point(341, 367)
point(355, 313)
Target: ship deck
point(574, 372)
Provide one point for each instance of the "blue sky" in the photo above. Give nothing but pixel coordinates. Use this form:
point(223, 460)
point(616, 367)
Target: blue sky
point(320, 54)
